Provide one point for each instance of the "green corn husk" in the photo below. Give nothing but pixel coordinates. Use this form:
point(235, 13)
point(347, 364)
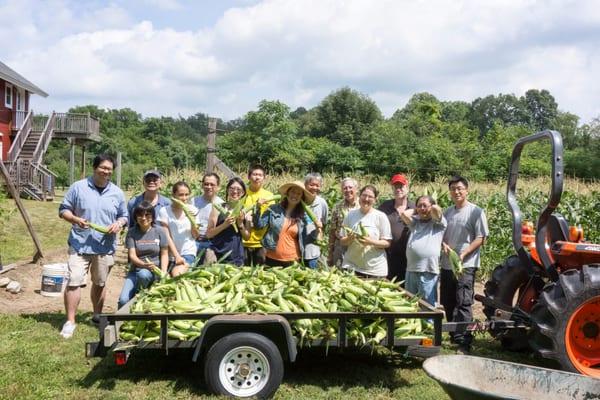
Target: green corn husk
point(186, 211)
point(457, 265)
point(99, 228)
point(309, 212)
point(227, 288)
point(275, 197)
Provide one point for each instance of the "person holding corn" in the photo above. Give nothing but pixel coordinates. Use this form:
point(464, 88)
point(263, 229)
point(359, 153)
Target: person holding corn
point(366, 233)
point(254, 253)
point(225, 229)
point(96, 209)
point(427, 226)
point(465, 234)
point(340, 210)
point(312, 183)
point(147, 248)
point(286, 226)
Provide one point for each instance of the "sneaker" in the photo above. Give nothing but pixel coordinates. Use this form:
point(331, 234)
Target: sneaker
point(96, 319)
point(68, 329)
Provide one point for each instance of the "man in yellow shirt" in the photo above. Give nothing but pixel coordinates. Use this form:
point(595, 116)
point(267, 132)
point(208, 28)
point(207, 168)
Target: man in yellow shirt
point(254, 253)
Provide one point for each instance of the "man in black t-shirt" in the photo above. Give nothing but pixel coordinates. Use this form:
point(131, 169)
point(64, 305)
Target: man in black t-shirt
point(393, 208)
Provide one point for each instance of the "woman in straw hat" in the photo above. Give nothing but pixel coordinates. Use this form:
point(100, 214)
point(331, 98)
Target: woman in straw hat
point(287, 222)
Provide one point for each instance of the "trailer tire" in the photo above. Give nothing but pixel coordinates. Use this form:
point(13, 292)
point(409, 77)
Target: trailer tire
point(505, 281)
point(243, 364)
point(566, 321)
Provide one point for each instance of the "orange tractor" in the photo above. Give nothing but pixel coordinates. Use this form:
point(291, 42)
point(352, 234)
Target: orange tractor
point(549, 292)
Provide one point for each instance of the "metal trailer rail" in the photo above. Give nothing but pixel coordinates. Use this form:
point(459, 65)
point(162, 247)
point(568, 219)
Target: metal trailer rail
point(110, 323)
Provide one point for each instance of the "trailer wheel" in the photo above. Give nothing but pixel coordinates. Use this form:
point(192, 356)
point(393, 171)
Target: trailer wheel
point(567, 321)
point(243, 364)
point(506, 280)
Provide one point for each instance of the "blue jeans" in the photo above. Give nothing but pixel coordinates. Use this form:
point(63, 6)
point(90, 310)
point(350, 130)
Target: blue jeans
point(312, 263)
point(136, 279)
point(423, 284)
point(202, 246)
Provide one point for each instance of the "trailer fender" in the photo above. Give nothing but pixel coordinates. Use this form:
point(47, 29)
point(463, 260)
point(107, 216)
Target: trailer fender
point(274, 327)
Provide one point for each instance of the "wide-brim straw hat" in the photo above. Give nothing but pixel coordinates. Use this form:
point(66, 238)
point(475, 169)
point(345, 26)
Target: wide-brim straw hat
point(307, 196)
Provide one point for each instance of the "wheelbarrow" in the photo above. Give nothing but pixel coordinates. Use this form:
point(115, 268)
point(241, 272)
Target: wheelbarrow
point(468, 377)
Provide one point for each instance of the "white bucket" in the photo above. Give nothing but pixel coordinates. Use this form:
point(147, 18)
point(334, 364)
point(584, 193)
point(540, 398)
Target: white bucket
point(54, 279)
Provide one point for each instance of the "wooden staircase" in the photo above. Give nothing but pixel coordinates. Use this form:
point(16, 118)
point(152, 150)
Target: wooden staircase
point(31, 178)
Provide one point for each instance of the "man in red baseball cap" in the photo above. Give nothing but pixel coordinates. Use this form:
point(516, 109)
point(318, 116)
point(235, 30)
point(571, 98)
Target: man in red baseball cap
point(393, 208)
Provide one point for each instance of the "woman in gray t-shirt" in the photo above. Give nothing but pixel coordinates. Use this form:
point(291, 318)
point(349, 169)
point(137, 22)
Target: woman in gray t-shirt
point(147, 246)
point(423, 248)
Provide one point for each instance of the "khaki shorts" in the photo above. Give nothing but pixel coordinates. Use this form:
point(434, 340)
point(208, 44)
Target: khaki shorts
point(80, 264)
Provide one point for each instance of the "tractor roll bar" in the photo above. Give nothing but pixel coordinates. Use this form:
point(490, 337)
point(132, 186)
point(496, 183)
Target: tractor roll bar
point(553, 200)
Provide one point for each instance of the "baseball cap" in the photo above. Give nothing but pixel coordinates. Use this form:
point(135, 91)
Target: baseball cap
point(152, 172)
point(399, 178)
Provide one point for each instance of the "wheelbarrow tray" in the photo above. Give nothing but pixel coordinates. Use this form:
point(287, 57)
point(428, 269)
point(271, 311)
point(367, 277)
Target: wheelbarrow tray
point(468, 377)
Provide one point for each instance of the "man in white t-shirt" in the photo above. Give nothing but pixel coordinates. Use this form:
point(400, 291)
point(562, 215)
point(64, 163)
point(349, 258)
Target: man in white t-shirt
point(210, 188)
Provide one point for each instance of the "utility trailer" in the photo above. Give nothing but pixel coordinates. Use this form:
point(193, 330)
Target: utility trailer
point(243, 354)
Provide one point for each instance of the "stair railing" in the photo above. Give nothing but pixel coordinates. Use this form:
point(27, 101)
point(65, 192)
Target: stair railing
point(44, 140)
point(20, 139)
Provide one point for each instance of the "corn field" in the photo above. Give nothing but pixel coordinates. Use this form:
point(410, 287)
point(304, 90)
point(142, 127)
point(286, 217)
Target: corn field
point(580, 203)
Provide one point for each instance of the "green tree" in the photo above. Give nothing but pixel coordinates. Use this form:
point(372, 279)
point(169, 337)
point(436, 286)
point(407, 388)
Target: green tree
point(506, 109)
point(344, 115)
point(542, 108)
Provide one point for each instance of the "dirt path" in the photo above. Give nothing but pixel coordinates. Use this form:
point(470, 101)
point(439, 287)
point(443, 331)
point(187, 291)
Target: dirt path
point(30, 301)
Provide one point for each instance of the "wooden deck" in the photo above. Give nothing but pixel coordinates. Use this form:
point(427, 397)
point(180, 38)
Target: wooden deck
point(81, 127)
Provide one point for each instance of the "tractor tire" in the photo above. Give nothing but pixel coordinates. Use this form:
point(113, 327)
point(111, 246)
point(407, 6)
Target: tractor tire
point(504, 283)
point(566, 321)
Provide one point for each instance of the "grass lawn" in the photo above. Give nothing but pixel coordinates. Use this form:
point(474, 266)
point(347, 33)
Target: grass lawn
point(37, 363)
point(16, 243)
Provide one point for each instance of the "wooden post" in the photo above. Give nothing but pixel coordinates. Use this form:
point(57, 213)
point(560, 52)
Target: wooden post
point(15, 195)
point(211, 145)
point(83, 161)
point(72, 162)
point(118, 169)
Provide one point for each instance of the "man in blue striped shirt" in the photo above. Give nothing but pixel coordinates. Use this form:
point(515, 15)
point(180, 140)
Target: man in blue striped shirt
point(91, 200)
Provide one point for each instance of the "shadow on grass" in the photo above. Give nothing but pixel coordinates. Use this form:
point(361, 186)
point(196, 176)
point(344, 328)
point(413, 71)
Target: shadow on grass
point(312, 367)
point(57, 319)
point(176, 369)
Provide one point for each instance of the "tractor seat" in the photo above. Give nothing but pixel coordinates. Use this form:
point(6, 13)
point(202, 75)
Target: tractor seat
point(557, 228)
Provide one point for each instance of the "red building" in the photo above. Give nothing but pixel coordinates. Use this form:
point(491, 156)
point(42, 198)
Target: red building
point(16, 92)
point(24, 137)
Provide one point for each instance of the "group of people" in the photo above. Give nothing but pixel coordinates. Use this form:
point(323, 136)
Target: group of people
point(409, 242)
point(399, 240)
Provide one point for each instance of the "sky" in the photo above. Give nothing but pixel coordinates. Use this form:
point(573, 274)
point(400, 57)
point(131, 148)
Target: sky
point(222, 57)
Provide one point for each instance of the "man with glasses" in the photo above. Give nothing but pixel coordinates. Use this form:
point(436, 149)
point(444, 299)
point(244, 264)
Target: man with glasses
point(210, 188)
point(466, 232)
point(91, 200)
point(152, 184)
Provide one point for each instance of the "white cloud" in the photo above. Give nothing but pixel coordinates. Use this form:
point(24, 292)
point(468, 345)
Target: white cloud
point(299, 51)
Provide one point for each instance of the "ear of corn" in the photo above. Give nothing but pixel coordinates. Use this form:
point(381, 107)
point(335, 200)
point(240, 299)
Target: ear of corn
point(191, 217)
point(99, 228)
point(226, 288)
point(309, 212)
point(274, 198)
point(457, 265)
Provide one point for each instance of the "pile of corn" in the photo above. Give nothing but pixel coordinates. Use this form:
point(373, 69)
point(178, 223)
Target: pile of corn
point(230, 289)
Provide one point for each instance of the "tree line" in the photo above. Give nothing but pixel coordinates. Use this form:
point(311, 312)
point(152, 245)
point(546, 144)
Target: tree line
point(346, 133)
